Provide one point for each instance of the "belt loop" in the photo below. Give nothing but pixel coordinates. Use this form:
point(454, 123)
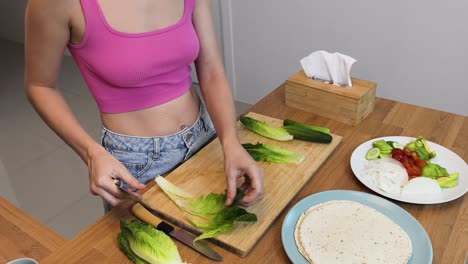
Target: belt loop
point(156, 147)
point(103, 134)
point(187, 135)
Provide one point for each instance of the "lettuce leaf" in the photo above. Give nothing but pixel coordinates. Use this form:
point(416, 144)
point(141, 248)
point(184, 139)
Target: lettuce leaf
point(223, 221)
point(263, 129)
point(210, 214)
point(268, 153)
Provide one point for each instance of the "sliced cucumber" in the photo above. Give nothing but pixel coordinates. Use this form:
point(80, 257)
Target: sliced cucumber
point(373, 153)
point(386, 152)
point(395, 144)
point(385, 155)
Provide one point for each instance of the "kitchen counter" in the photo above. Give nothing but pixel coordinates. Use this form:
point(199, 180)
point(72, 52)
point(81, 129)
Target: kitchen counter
point(23, 236)
point(446, 224)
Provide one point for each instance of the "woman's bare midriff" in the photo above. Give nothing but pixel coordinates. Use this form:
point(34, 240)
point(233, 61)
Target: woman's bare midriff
point(161, 120)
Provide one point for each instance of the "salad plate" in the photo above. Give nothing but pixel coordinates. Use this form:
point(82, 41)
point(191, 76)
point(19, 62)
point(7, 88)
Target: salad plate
point(445, 158)
point(421, 243)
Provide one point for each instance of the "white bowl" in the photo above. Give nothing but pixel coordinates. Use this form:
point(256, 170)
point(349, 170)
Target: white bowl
point(23, 261)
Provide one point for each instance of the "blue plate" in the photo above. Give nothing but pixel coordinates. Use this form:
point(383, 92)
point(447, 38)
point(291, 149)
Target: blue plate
point(422, 247)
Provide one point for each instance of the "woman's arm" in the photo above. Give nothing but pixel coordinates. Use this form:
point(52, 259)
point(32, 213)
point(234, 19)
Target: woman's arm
point(220, 105)
point(47, 34)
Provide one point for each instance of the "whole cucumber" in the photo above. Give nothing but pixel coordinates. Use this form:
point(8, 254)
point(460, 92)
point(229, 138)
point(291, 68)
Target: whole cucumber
point(311, 135)
point(289, 122)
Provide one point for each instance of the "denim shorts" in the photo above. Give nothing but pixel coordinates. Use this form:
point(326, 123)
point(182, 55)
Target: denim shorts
point(147, 157)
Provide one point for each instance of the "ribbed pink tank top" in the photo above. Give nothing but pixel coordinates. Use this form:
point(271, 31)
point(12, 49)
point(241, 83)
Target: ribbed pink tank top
point(132, 71)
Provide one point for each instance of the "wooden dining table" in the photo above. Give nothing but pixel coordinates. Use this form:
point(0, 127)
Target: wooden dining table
point(23, 236)
point(446, 223)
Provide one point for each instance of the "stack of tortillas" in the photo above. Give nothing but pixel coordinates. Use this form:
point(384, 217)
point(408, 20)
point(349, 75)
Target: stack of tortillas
point(344, 231)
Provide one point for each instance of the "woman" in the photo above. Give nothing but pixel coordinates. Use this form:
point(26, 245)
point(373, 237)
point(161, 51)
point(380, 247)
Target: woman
point(135, 56)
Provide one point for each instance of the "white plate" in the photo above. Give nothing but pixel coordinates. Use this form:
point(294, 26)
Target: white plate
point(445, 158)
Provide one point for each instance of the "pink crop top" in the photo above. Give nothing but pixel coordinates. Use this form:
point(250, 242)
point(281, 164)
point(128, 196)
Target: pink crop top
point(132, 71)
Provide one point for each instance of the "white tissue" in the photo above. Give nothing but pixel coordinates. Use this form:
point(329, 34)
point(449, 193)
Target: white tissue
point(325, 66)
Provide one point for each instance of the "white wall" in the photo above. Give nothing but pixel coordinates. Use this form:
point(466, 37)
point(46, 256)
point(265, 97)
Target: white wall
point(417, 51)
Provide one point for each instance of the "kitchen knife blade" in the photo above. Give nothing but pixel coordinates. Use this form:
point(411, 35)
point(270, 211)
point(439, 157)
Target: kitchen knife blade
point(146, 214)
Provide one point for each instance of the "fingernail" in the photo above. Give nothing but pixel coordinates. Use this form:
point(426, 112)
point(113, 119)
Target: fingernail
point(141, 185)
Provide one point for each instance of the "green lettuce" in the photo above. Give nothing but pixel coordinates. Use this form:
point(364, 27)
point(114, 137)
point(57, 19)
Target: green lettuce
point(222, 222)
point(125, 248)
point(211, 214)
point(267, 153)
point(204, 205)
point(143, 243)
point(263, 129)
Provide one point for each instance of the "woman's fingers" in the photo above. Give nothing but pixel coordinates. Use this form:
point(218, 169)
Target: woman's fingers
point(246, 184)
point(104, 170)
point(253, 185)
point(110, 198)
point(108, 183)
point(108, 186)
point(125, 176)
point(231, 189)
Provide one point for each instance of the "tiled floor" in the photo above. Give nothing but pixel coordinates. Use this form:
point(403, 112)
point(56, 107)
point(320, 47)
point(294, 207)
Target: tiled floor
point(38, 172)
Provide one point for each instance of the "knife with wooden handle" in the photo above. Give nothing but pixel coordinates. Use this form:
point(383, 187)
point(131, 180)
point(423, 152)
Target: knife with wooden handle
point(140, 211)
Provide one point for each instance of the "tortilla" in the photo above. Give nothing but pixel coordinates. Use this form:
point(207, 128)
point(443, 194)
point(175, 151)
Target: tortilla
point(344, 231)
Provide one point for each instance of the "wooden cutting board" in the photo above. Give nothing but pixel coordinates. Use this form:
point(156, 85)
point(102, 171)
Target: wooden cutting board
point(204, 173)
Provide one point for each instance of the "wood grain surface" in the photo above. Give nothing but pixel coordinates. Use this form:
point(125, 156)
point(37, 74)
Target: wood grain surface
point(22, 236)
point(349, 105)
point(360, 86)
point(446, 224)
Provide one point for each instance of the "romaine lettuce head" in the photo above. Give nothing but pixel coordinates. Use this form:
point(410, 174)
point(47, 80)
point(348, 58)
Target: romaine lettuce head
point(125, 248)
point(149, 244)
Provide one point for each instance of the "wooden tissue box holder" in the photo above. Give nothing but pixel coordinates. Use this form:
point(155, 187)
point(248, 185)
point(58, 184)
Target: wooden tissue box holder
point(349, 105)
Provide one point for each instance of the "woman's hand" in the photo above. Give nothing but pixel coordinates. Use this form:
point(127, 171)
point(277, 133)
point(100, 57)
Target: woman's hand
point(103, 169)
point(238, 163)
